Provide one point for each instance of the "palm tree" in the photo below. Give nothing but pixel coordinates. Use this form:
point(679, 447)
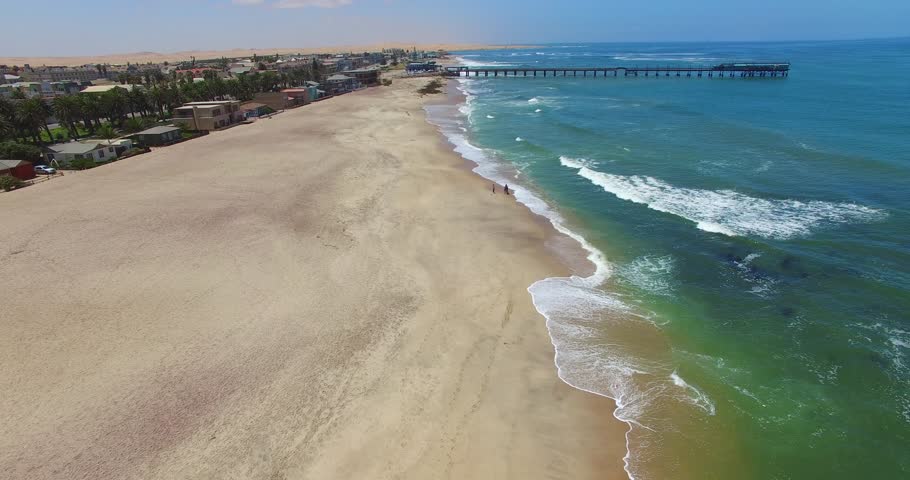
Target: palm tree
point(68, 109)
point(133, 125)
point(107, 132)
point(33, 114)
point(114, 104)
point(7, 118)
point(90, 106)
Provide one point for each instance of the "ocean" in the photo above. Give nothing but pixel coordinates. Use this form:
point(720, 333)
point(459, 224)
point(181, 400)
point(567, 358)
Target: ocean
point(746, 300)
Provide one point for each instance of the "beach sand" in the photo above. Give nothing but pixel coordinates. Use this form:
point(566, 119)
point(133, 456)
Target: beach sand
point(329, 293)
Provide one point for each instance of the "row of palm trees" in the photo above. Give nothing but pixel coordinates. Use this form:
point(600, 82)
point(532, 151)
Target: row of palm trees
point(23, 119)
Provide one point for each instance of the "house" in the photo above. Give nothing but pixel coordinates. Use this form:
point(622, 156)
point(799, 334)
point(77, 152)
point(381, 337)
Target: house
point(340, 84)
point(120, 145)
point(367, 77)
point(64, 153)
point(17, 168)
point(208, 116)
point(255, 110)
point(298, 96)
point(28, 89)
point(235, 71)
point(275, 100)
point(158, 136)
point(106, 88)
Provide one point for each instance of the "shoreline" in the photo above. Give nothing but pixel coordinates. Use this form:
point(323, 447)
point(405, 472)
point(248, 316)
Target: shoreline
point(320, 294)
point(583, 264)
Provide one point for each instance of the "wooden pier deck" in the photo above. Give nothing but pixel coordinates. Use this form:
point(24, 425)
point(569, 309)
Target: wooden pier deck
point(723, 70)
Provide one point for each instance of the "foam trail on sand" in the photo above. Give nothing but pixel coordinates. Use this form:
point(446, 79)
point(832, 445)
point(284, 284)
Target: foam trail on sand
point(725, 211)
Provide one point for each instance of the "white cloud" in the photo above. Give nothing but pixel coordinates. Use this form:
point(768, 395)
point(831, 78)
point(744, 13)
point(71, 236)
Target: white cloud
point(247, 2)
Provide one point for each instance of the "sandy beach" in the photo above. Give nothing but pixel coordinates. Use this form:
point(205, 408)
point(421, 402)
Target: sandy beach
point(329, 293)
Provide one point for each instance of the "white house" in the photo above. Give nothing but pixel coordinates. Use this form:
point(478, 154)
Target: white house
point(64, 153)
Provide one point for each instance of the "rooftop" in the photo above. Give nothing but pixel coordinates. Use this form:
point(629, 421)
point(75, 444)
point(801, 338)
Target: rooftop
point(74, 148)
point(158, 130)
point(105, 88)
point(4, 164)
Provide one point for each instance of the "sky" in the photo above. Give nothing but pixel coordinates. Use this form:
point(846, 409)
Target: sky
point(97, 27)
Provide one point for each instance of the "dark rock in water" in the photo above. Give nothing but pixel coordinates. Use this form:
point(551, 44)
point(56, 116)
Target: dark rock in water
point(787, 311)
point(788, 262)
point(878, 360)
point(733, 258)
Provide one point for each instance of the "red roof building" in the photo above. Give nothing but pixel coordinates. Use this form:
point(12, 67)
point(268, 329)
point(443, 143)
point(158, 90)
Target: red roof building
point(17, 168)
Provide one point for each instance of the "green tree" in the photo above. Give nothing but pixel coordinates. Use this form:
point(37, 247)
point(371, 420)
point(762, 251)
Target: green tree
point(107, 132)
point(114, 104)
point(33, 113)
point(92, 110)
point(133, 125)
point(68, 110)
point(19, 151)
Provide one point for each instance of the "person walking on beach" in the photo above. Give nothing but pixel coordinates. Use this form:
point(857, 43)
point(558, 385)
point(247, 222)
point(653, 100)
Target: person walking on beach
point(494, 188)
point(506, 189)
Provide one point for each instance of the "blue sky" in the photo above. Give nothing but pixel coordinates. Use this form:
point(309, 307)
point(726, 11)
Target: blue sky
point(73, 27)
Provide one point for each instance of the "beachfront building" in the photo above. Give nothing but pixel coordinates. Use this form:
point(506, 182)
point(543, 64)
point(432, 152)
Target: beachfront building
point(20, 169)
point(255, 110)
point(297, 96)
point(208, 116)
point(337, 84)
point(422, 67)
point(366, 77)
point(158, 136)
point(64, 153)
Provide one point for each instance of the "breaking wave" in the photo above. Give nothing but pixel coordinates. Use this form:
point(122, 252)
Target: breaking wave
point(725, 211)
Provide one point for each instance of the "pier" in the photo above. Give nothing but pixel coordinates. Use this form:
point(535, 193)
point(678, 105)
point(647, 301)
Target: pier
point(723, 70)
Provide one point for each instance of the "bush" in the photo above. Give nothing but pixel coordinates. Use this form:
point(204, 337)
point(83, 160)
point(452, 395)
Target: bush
point(19, 151)
point(82, 164)
point(8, 183)
point(386, 82)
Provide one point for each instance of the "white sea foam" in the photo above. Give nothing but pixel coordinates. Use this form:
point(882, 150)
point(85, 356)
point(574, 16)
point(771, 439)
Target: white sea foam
point(651, 274)
point(490, 117)
point(537, 111)
point(519, 139)
point(725, 211)
point(534, 101)
point(696, 396)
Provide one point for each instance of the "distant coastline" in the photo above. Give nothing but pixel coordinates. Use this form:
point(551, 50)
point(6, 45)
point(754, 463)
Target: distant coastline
point(159, 57)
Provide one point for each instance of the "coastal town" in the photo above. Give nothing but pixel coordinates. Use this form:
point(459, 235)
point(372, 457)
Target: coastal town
point(59, 118)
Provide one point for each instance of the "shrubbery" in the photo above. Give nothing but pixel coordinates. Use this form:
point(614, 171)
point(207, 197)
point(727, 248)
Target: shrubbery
point(19, 151)
point(386, 82)
point(82, 164)
point(8, 183)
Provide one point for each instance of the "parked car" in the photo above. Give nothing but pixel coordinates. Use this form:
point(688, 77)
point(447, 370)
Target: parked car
point(45, 170)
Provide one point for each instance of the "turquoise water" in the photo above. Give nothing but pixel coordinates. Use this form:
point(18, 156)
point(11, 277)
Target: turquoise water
point(749, 311)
